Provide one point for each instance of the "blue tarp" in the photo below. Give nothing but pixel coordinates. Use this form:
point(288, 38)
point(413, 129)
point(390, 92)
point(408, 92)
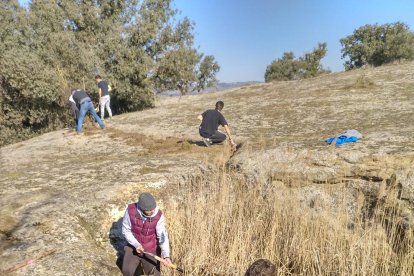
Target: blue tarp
point(342, 139)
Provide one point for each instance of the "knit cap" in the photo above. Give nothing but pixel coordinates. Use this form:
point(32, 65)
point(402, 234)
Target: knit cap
point(146, 202)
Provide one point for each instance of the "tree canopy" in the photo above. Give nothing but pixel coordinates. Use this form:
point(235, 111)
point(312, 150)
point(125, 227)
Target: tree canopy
point(377, 45)
point(52, 46)
point(289, 68)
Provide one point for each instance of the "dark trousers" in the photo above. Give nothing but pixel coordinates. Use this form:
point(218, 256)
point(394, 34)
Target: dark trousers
point(132, 260)
point(216, 137)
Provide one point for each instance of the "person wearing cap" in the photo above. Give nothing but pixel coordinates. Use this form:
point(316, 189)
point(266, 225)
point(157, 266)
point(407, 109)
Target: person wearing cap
point(143, 227)
point(82, 99)
point(210, 121)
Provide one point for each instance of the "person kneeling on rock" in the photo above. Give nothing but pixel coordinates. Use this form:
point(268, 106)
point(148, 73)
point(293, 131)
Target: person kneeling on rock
point(210, 120)
point(143, 226)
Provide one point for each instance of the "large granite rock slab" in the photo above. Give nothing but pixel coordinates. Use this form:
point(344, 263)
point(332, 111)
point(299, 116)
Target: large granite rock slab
point(67, 193)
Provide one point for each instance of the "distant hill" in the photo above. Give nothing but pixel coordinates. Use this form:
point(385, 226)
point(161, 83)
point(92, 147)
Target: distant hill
point(230, 85)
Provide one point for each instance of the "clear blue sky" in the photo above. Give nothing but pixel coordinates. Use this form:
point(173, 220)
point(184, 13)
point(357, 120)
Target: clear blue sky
point(246, 35)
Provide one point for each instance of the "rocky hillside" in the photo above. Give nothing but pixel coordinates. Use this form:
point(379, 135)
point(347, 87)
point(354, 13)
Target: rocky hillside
point(66, 193)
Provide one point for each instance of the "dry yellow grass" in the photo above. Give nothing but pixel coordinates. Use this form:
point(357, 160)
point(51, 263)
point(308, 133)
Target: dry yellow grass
point(221, 224)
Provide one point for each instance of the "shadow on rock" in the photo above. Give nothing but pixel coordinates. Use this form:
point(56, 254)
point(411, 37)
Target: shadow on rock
point(192, 142)
point(117, 241)
point(200, 143)
point(8, 236)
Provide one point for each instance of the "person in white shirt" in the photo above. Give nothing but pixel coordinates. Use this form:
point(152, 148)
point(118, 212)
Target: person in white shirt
point(104, 98)
point(143, 227)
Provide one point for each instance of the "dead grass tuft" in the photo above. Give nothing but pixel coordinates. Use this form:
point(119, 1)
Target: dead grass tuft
point(220, 225)
point(363, 82)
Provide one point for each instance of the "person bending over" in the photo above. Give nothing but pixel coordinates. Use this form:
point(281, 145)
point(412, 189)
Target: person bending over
point(82, 99)
point(75, 109)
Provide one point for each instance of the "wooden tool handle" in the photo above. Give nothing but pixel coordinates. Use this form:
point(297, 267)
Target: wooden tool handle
point(173, 266)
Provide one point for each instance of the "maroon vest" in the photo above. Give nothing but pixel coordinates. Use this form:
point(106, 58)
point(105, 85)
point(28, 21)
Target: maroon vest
point(144, 230)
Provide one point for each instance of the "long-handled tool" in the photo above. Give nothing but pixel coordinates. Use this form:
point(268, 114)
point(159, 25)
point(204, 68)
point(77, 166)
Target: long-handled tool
point(173, 266)
point(29, 261)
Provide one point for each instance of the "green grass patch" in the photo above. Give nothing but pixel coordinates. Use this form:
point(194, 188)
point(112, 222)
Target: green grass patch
point(159, 169)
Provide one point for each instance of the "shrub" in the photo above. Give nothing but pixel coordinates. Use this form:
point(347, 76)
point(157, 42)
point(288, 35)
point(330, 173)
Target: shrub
point(377, 45)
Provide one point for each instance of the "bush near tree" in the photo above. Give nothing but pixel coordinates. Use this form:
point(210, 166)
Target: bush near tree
point(377, 45)
point(289, 68)
point(49, 47)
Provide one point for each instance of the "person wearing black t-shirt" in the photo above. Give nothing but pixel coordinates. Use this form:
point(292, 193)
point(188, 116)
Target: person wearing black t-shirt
point(210, 121)
point(104, 98)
